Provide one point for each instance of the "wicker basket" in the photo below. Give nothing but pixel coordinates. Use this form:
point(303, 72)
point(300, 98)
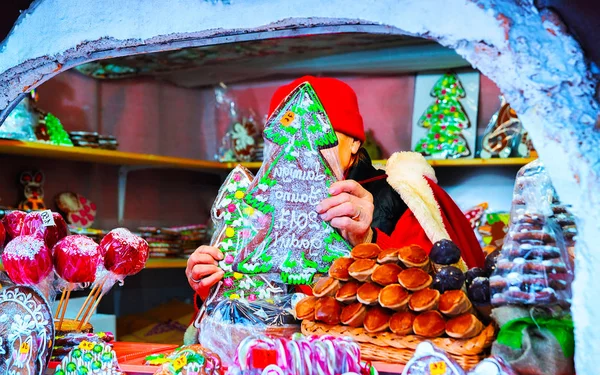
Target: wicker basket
point(391, 348)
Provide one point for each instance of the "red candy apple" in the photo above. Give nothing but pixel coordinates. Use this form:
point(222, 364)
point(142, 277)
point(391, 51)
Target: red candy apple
point(13, 222)
point(124, 253)
point(34, 225)
point(76, 259)
point(27, 260)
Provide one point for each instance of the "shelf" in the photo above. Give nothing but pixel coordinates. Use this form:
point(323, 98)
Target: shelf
point(106, 156)
point(477, 162)
point(166, 263)
point(131, 159)
point(154, 263)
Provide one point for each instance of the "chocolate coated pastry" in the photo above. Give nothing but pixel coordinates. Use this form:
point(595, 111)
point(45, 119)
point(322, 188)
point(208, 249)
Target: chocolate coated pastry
point(424, 300)
point(354, 315)
point(366, 251)
point(339, 269)
point(326, 286)
point(414, 279)
point(362, 269)
point(377, 319)
point(328, 310)
point(388, 256)
point(368, 293)
point(429, 324)
point(386, 274)
point(347, 293)
point(401, 323)
point(413, 256)
point(394, 297)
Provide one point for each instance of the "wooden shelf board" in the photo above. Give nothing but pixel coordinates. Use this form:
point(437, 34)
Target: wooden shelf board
point(155, 263)
point(477, 162)
point(106, 156)
point(166, 263)
point(129, 158)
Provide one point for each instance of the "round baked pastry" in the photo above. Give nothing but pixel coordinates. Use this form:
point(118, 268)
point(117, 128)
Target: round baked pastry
point(354, 315)
point(362, 269)
point(414, 279)
point(394, 297)
point(326, 286)
point(366, 251)
point(429, 324)
point(368, 294)
point(386, 274)
point(347, 293)
point(305, 309)
point(413, 256)
point(339, 269)
point(388, 256)
point(424, 300)
point(328, 310)
point(401, 323)
point(454, 302)
point(377, 319)
point(464, 326)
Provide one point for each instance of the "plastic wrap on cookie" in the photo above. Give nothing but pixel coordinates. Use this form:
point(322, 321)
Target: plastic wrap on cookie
point(268, 224)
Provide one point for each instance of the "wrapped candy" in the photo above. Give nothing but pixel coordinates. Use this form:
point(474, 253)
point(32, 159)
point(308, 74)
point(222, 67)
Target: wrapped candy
point(188, 360)
point(125, 254)
point(90, 358)
point(492, 366)
point(76, 259)
point(27, 260)
point(533, 267)
point(13, 223)
point(430, 360)
point(327, 355)
point(224, 325)
point(51, 229)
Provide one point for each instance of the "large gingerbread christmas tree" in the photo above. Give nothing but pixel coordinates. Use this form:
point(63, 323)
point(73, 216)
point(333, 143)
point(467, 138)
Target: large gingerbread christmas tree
point(300, 165)
point(446, 119)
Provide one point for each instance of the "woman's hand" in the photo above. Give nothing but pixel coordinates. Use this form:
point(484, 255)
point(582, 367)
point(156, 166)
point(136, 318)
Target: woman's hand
point(349, 209)
point(202, 269)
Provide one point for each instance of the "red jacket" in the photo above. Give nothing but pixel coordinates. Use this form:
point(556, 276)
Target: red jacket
point(409, 230)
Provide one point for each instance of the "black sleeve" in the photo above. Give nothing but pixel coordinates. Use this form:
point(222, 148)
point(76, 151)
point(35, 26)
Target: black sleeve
point(389, 207)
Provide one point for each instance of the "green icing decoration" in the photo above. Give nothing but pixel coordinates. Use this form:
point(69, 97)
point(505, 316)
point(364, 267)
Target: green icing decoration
point(56, 131)
point(446, 119)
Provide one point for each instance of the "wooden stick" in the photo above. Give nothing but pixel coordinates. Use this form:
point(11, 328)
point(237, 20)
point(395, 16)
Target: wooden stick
point(87, 319)
point(60, 304)
point(92, 292)
point(64, 310)
point(90, 305)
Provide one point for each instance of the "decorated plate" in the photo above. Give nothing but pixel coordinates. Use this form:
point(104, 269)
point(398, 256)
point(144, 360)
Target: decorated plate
point(26, 331)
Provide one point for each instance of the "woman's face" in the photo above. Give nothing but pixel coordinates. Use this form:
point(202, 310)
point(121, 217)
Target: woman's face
point(347, 147)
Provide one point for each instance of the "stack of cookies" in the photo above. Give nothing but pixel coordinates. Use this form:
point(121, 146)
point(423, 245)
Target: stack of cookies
point(404, 291)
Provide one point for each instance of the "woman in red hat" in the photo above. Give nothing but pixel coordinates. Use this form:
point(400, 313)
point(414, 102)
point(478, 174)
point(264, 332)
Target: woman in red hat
point(400, 206)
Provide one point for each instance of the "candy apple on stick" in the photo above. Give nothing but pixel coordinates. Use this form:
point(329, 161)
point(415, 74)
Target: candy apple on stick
point(124, 254)
point(47, 224)
point(28, 261)
point(13, 223)
point(76, 260)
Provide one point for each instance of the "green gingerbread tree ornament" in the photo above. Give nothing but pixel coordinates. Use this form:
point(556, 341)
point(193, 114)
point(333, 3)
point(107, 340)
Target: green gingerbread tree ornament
point(300, 164)
point(446, 119)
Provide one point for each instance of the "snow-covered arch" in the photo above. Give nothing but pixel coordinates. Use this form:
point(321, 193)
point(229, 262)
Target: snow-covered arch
point(527, 53)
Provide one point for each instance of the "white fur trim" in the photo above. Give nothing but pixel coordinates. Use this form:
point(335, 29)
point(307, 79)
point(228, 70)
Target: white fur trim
point(406, 171)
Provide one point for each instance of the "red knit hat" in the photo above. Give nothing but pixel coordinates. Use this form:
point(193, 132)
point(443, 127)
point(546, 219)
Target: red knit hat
point(338, 99)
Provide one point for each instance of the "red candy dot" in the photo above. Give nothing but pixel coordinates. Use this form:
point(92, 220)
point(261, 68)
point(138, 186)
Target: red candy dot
point(444, 92)
point(75, 217)
point(93, 206)
point(437, 136)
point(441, 116)
point(82, 200)
point(429, 115)
point(452, 109)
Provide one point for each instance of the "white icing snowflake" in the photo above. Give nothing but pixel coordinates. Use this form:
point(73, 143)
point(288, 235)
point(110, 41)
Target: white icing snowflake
point(264, 294)
point(261, 198)
point(263, 187)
